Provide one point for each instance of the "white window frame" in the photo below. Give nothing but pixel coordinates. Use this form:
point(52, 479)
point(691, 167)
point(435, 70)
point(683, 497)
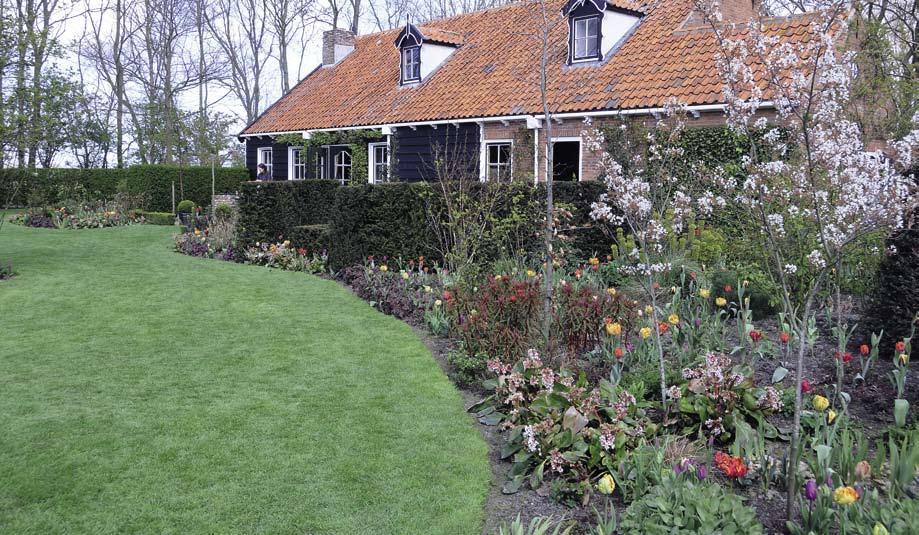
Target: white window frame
point(509, 164)
point(580, 155)
point(269, 161)
point(292, 165)
point(402, 65)
point(321, 160)
point(336, 166)
point(372, 177)
point(575, 58)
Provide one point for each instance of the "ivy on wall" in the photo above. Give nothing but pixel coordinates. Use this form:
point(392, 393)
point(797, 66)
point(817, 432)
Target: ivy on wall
point(357, 141)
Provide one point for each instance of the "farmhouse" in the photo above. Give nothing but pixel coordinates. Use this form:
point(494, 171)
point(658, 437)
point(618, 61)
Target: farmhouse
point(467, 90)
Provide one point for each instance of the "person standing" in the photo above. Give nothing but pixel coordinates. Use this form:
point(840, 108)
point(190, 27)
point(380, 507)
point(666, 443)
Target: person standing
point(262, 174)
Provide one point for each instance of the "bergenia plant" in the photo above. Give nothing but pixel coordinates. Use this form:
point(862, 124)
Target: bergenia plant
point(809, 184)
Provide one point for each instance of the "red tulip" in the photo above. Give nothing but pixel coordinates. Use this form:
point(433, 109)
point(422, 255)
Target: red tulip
point(784, 337)
point(728, 288)
point(864, 349)
point(805, 386)
point(755, 336)
point(447, 295)
point(901, 346)
point(619, 353)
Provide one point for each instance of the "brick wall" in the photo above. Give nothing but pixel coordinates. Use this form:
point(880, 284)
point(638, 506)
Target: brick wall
point(523, 139)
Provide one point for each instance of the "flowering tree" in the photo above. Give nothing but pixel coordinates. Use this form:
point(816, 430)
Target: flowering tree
point(646, 196)
point(810, 185)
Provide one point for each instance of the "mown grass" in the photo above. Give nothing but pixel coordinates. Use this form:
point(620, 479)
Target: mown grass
point(146, 392)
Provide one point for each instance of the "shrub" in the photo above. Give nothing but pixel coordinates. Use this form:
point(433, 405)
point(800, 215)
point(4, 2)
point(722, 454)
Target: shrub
point(224, 211)
point(270, 211)
point(896, 299)
point(155, 218)
point(47, 187)
point(378, 220)
point(680, 505)
point(185, 207)
point(311, 237)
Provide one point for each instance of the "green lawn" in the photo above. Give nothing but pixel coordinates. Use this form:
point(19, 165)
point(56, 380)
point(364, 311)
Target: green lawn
point(142, 391)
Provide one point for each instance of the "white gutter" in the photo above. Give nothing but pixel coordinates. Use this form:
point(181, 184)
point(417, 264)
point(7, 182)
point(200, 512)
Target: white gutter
point(529, 118)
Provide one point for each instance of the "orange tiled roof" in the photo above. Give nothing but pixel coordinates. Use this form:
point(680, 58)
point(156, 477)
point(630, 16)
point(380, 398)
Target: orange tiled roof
point(441, 36)
point(494, 72)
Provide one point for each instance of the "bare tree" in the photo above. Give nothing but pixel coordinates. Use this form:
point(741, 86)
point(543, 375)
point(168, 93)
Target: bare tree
point(287, 23)
point(239, 29)
point(105, 52)
point(388, 14)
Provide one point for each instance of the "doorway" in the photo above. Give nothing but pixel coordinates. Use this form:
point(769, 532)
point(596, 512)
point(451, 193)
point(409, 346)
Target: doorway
point(566, 161)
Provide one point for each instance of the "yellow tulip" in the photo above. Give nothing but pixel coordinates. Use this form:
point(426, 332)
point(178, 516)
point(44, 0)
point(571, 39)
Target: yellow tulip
point(611, 291)
point(645, 332)
point(649, 309)
point(427, 289)
point(531, 273)
point(613, 329)
point(845, 496)
point(720, 301)
point(606, 485)
point(821, 403)
point(384, 268)
point(594, 261)
point(673, 319)
point(830, 416)
point(438, 302)
point(704, 293)
point(879, 529)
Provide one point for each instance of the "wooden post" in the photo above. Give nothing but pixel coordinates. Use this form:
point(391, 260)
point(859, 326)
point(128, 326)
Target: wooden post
point(173, 196)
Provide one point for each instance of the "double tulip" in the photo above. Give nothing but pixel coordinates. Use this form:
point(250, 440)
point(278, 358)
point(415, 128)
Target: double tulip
point(821, 403)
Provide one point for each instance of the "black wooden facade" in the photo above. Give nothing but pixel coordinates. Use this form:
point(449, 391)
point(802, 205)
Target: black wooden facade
point(416, 152)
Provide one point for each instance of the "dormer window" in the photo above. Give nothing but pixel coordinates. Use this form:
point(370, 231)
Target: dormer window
point(411, 64)
point(596, 28)
point(423, 50)
point(585, 38)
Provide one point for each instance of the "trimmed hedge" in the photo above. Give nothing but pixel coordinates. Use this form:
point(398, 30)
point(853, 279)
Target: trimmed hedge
point(193, 183)
point(311, 237)
point(352, 222)
point(390, 220)
point(157, 218)
point(382, 220)
point(269, 211)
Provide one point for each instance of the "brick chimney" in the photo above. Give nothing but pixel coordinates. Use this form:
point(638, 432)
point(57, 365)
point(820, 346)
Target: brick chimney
point(336, 44)
point(732, 11)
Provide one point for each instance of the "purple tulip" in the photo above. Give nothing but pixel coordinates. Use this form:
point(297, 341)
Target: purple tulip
point(858, 491)
point(697, 323)
point(810, 490)
point(702, 472)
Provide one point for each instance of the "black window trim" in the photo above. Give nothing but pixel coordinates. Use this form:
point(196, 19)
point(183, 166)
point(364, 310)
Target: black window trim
point(402, 51)
point(572, 54)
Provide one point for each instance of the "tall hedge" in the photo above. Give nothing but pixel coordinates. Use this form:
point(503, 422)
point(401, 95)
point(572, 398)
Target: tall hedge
point(40, 185)
point(269, 211)
point(352, 222)
point(382, 220)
